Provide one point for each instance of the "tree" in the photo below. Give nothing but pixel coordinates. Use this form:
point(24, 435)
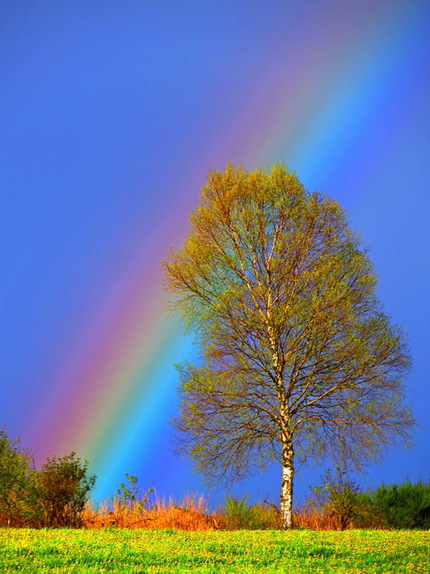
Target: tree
point(296, 358)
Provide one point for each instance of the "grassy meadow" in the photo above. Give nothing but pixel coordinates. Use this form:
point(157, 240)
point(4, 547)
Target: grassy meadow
point(88, 551)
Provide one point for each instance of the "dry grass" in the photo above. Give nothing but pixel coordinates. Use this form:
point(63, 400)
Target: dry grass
point(190, 514)
point(315, 519)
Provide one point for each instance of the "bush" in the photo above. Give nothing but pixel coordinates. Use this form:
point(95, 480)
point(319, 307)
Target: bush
point(400, 506)
point(60, 491)
point(14, 476)
point(338, 499)
point(53, 497)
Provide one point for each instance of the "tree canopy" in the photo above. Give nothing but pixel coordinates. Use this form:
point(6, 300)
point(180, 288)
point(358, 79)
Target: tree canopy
point(296, 357)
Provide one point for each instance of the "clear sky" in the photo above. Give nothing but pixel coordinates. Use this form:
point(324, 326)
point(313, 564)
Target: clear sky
point(111, 115)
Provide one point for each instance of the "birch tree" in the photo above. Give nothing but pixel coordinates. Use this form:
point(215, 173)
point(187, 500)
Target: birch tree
point(296, 358)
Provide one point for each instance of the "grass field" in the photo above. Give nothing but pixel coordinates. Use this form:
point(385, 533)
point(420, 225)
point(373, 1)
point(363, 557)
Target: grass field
point(172, 551)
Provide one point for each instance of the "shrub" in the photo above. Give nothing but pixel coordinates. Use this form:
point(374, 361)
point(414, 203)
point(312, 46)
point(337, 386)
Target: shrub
point(130, 496)
point(14, 477)
point(60, 491)
point(54, 496)
point(337, 499)
point(400, 506)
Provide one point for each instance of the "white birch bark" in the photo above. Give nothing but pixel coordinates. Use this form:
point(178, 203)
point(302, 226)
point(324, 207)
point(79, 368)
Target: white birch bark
point(287, 485)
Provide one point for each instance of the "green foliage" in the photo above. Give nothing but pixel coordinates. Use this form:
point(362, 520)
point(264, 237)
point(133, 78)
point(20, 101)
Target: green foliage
point(400, 506)
point(60, 491)
point(14, 473)
point(239, 515)
point(130, 495)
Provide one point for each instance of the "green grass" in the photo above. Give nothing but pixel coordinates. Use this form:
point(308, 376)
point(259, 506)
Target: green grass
point(171, 551)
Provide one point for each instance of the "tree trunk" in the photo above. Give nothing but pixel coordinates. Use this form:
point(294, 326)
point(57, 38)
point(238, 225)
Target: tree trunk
point(287, 485)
